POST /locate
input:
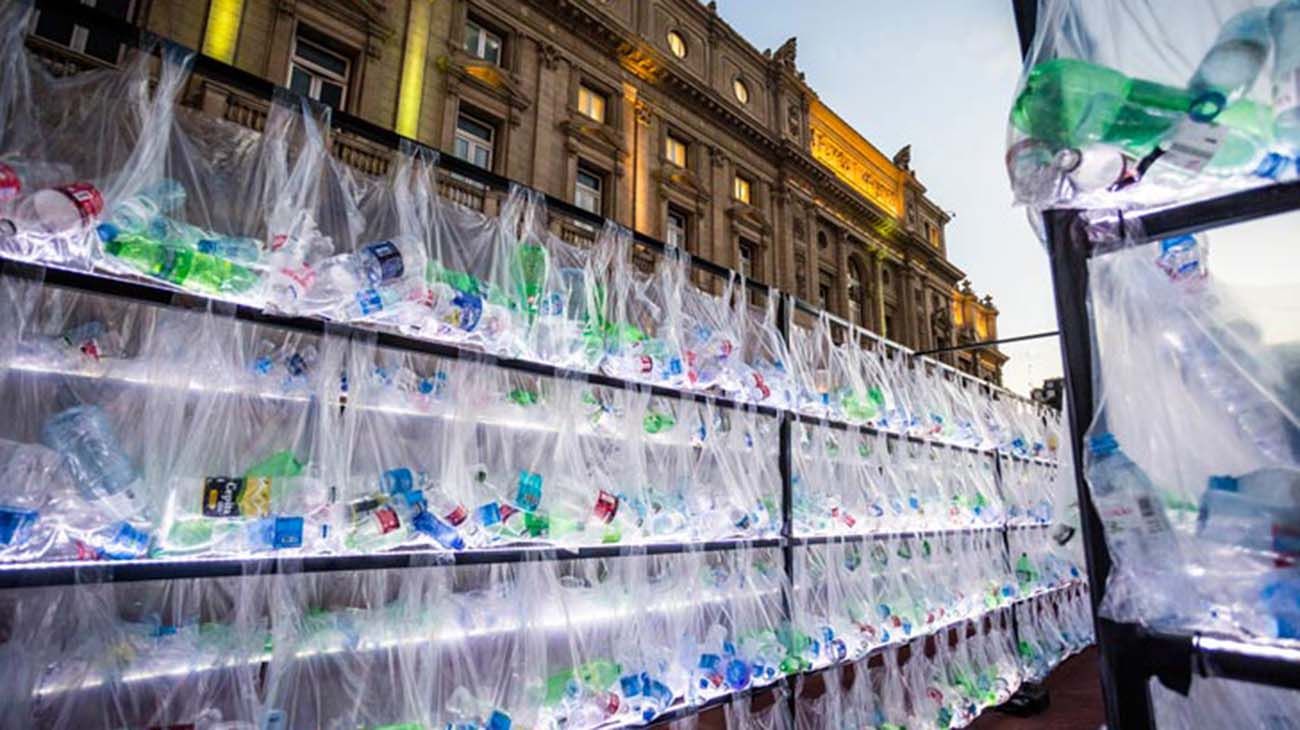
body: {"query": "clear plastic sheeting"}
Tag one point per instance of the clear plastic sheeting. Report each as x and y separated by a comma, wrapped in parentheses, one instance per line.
(850, 599)
(1193, 472)
(1217, 702)
(1052, 630)
(944, 681)
(1133, 106)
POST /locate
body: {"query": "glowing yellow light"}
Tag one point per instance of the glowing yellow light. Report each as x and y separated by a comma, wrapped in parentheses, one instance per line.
(411, 92)
(222, 31)
(856, 161)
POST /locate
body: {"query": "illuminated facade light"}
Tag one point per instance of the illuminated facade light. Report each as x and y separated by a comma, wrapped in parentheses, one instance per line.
(221, 34)
(411, 90)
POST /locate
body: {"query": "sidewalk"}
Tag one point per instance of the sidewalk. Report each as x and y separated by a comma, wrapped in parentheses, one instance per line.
(1075, 691)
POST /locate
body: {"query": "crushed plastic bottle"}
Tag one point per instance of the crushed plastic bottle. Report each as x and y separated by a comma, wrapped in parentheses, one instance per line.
(94, 458)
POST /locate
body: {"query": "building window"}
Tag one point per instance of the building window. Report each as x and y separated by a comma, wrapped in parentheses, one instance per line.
(741, 90)
(482, 43)
(588, 190)
(740, 190)
(58, 27)
(591, 103)
(677, 44)
(675, 151)
(826, 290)
(856, 291)
(676, 228)
(318, 72)
(822, 240)
(474, 140)
(747, 250)
(889, 326)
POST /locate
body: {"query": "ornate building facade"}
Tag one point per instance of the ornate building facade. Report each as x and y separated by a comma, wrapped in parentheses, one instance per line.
(655, 113)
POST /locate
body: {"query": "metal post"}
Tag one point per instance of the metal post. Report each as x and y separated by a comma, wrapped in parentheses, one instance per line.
(1124, 671)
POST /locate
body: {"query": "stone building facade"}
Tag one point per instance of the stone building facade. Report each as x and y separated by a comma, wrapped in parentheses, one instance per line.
(655, 113)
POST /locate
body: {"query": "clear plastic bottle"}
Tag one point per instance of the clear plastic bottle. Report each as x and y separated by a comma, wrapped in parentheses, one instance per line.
(1259, 511)
(146, 211)
(1284, 23)
(97, 463)
(53, 211)
(1231, 66)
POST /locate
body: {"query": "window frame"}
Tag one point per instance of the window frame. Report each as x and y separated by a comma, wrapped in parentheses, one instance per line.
(738, 183)
(685, 228)
(80, 36)
(585, 169)
(672, 140)
(485, 32)
(473, 142)
(599, 100)
(747, 265)
(317, 73)
(676, 35)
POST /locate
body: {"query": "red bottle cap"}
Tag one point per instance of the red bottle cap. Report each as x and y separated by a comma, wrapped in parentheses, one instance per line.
(87, 198)
(606, 506)
(10, 184)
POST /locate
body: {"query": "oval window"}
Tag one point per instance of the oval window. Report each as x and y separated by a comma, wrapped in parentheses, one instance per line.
(677, 44)
(741, 90)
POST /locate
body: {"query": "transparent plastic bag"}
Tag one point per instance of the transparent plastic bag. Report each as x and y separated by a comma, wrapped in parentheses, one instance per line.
(1170, 101)
(71, 184)
(1192, 472)
(245, 470)
(154, 654)
(765, 372)
(710, 340)
(97, 396)
(643, 327)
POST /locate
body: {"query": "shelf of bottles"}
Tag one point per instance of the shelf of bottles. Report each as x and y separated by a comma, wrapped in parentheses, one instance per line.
(348, 454)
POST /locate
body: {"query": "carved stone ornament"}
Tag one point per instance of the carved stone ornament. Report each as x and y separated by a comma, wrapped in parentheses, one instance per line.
(785, 55)
(719, 156)
(603, 137)
(644, 114)
(549, 54)
(461, 67)
(903, 158)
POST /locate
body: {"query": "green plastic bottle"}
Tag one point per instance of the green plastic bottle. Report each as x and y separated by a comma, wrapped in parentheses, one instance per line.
(278, 464)
(1072, 103)
(530, 262)
(178, 264)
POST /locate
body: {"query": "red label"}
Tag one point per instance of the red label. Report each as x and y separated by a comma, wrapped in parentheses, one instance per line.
(10, 185)
(90, 348)
(506, 510)
(457, 515)
(762, 386)
(387, 519)
(278, 241)
(606, 506)
(726, 348)
(647, 364)
(87, 199)
(302, 276)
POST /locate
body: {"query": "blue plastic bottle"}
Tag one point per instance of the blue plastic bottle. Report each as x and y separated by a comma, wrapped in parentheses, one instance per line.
(95, 460)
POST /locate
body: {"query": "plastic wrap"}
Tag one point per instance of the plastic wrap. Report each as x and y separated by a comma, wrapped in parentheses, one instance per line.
(555, 294)
(1218, 702)
(643, 324)
(244, 471)
(1129, 107)
(160, 654)
(51, 216)
(92, 389)
(1191, 461)
(765, 372)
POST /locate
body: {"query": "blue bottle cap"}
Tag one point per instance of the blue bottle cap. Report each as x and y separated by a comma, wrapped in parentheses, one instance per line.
(13, 522)
(498, 721)
(107, 232)
(399, 480)
(287, 532)
(1103, 444)
(1223, 483)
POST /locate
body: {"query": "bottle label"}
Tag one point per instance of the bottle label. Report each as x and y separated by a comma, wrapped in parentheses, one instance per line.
(1193, 144)
(456, 516)
(287, 532)
(470, 310)
(10, 184)
(606, 506)
(88, 200)
(369, 301)
(387, 518)
(389, 258)
(1286, 92)
(528, 495)
(236, 496)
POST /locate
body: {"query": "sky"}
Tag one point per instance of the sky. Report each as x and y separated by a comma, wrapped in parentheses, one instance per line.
(940, 75)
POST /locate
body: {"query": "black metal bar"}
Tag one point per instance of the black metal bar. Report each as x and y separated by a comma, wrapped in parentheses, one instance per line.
(1123, 679)
(129, 571)
(1026, 12)
(986, 343)
(1202, 215)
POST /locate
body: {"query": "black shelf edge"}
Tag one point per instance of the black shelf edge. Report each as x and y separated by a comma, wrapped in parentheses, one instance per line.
(1225, 210)
(813, 540)
(1213, 656)
(75, 573)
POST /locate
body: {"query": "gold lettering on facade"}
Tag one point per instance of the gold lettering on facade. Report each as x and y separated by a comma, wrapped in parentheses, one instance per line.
(853, 160)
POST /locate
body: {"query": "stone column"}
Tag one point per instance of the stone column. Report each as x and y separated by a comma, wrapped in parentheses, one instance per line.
(880, 292)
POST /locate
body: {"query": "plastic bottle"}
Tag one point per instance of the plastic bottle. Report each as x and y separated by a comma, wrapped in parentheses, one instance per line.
(54, 210)
(145, 212)
(177, 264)
(1231, 66)
(1070, 103)
(95, 460)
(17, 175)
(1136, 526)
(1258, 511)
(239, 249)
(1284, 23)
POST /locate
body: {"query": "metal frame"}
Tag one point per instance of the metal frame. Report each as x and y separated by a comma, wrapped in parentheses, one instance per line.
(53, 574)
